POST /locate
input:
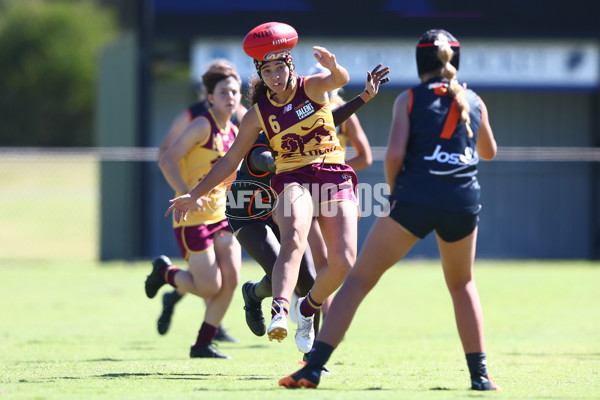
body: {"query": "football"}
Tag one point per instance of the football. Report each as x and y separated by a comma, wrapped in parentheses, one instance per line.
(270, 41)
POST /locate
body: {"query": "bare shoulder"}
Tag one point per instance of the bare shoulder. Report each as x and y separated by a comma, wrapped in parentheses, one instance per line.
(404, 97)
(403, 101)
(198, 129)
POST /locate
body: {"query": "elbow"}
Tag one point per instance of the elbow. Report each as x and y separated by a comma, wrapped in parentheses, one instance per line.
(360, 162)
(368, 160)
(343, 78)
(487, 156)
(166, 163)
(346, 79)
(162, 162)
(487, 153)
(394, 158)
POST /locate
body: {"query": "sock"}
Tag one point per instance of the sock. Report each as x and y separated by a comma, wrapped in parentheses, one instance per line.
(477, 364)
(319, 355)
(280, 304)
(168, 273)
(309, 307)
(263, 288)
(206, 334)
(174, 296)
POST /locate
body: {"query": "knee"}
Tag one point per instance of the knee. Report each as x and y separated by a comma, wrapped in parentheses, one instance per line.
(207, 286)
(231, 279)
(358, 283)
(460, 286)
(341, 265)
(292, 241)
(209, 291)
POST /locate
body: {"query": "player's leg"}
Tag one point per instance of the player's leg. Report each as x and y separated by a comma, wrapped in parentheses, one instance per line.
(216, 268)
(339, 231)
(229, 260)
(319, 254)
(386, 243)
(169, 300)
(458, 257)
(260, 242)
(293, 214)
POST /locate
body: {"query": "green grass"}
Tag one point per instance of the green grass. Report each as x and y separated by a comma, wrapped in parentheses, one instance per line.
(73, 328)
(81, 330)
(48, 208)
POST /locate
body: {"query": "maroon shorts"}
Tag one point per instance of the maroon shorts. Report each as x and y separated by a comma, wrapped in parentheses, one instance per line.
(198, 238)
(325, 182)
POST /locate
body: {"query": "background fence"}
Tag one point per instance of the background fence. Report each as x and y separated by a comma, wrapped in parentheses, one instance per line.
(60, 190)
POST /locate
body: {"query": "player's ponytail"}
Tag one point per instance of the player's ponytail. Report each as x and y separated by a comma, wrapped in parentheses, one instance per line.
(455, 89)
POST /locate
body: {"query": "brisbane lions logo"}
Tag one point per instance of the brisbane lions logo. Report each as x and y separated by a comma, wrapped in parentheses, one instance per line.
(294, 143)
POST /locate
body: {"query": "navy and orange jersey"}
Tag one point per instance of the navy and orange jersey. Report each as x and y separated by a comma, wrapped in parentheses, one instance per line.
(440, 163)
(300, 131)
(201, 107)
(250, 196)
(198, 161)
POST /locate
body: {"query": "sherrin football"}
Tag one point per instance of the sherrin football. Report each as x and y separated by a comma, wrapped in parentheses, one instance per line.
(270, 41)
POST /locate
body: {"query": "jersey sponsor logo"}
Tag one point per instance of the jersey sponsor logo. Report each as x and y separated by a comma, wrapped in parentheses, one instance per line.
(470, 157)
(304, 110)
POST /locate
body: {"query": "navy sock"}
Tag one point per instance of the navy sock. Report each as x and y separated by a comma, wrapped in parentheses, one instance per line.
(319, 355)
(174, 296)
(252, 294)
(477, 364)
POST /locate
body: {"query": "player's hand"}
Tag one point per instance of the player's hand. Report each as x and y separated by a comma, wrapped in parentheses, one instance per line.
(324, 57)
(200, 203)
(180, 206)
(376, 78)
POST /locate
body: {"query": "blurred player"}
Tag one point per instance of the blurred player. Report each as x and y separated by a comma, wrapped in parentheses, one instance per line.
(205, 239)
(171, 298)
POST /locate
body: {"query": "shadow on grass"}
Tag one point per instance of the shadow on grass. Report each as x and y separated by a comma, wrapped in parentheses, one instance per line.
(320, 389)
(166, 376)
(194, 377)
(579, 356)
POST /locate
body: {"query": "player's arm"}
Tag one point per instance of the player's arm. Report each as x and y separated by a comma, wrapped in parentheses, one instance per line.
(249, 129)
(375, 78)
(486, 144)
(359, 141)
(394, 157)
(240, 112)
(197, 131)
(176, 129)
(317, 85)
(260, 158)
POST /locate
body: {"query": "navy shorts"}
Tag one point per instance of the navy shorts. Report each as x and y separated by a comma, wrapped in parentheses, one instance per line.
(420, 220)
(236, 224)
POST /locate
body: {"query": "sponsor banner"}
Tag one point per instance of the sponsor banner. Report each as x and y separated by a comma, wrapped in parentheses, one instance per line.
(569, 64)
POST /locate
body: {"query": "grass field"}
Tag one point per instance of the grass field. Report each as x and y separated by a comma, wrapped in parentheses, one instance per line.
(73, 328)
(80, 330)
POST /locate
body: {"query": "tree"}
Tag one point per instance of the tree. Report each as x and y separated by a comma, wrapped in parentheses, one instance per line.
(48, 70)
